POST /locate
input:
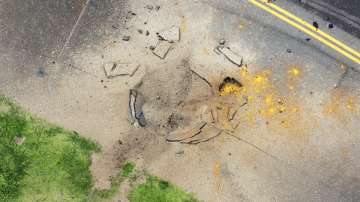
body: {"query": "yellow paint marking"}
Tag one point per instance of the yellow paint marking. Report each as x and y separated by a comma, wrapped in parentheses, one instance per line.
(351, 57)
(311, 27)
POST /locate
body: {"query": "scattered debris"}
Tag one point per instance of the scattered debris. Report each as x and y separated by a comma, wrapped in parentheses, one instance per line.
(114, 27)
(136, 101)
(180, 153)
(316, 25)
(41, 72)
(114, 69)
(126, 38)
(222, 42)
(171, 34)
(149, 7)
(132, 13)
(230, 55)
(162, 49)
(19, 140)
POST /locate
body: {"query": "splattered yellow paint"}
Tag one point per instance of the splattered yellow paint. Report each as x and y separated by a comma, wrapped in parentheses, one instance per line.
(217, 176)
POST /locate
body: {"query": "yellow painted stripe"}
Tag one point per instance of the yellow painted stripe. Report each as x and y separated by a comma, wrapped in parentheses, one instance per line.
(299, 20)
(297, 26)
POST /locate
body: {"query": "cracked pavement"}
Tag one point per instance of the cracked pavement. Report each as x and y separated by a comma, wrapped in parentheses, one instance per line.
(51, 63)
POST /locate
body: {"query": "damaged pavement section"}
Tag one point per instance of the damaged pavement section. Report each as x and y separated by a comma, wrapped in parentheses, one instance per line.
(180, 104)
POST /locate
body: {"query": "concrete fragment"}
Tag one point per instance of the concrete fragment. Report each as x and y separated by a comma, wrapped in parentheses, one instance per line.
(230, 55)
(171, 34)
(114, 69)
(162, 49)
(136, 101)
(208, 132)
(185, 133)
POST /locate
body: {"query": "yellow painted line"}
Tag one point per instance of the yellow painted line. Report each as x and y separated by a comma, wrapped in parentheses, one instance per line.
(297, 26)
(299, 20)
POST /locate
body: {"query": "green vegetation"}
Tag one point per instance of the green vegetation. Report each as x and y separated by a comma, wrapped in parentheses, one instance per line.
(128, 169)
(42, 162)
(157, 190)
(51, 164)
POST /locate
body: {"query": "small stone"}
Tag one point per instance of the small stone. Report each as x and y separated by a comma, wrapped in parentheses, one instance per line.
(157, 8)
(126, 38)
(147, 33)
(222, 42)
(330, 26)
(316, 25)
(140, 31)
(288, 50)
(180, 153)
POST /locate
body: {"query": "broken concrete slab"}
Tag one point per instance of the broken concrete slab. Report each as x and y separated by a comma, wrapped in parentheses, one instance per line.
(185, 133)
(162, 49)
(171, 34)
(136, 101)
(207, 133)
(114, 69)
(230, 55)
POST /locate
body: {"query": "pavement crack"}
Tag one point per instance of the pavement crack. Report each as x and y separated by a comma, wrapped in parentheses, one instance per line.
(253, 145)
(74, 28)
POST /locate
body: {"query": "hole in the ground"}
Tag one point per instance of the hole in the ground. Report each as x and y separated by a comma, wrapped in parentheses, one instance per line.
(229, 86)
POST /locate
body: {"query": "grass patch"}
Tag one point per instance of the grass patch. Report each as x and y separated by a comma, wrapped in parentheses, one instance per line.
(128, 169)
(52, 164)
(157, 190)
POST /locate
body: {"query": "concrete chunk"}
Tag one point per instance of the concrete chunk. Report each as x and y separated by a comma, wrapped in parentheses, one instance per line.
(171, 34)
(208, 132)
(162, 49)
(230, 55)
(114, 69)
(188, 132)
